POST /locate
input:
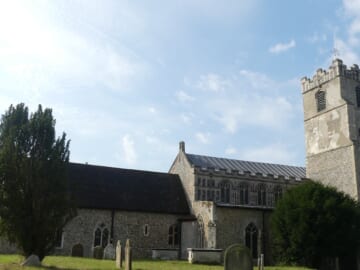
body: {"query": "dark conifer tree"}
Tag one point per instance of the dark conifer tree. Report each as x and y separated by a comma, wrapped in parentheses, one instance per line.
(313, 223)
(34, 194)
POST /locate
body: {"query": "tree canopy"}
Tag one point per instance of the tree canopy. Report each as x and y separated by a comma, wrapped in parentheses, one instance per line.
(312, 223)
(34, 194)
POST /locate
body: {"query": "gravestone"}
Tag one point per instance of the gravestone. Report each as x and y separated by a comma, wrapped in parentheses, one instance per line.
(98, 252)
(128, 260)
(77, 251)
(109, 252)
(238, 257)
(32, 260)
(119, 255)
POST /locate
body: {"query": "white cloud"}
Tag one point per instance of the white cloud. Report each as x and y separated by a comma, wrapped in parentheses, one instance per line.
(273, 153)
(230, 151)
(258, 80)
(347, 53)
(204, 138)
(348, 45)
(254, 110)
(212, 82)
(182, 96)
(41, 52)
(130, 155)
(316, 37)
(282, 47)
(186, 118)
(152, 110)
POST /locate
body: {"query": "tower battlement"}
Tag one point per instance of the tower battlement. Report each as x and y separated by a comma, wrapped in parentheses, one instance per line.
(336, 69)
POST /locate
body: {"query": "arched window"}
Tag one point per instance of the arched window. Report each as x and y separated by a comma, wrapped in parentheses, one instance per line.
(320, 100)
(201, 233)
(101, 236)
(251, 239)
(277, 193)
(173, 239)
(244, 193)
(59, 238)
(225, 192)
(261, 194)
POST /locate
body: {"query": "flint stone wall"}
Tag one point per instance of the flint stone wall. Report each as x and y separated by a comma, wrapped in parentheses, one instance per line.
(127, 225)
(238, 219)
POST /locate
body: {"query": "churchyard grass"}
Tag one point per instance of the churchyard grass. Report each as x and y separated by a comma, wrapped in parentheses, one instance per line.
(11, 262)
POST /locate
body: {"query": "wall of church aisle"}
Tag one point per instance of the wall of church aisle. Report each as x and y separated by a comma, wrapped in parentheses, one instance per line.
(145, 230)
(232, 222)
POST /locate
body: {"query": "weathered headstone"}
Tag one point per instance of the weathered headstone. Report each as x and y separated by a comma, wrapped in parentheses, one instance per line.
(98, 252)
(119, 255)
(77, 251)
(261, 262)
(128, 260)
(109, 252)
(238, 257)
(32, 260)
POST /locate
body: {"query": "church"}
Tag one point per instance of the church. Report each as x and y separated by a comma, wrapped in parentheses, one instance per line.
(209, 203)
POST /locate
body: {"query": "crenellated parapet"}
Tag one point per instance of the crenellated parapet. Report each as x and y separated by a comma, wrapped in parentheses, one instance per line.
(336, 69)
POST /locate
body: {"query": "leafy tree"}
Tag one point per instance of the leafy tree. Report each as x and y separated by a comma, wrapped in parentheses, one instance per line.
(312, 223)
(34, 198)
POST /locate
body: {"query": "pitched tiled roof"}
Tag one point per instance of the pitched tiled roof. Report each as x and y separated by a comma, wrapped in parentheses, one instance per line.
(243, 166)
(130, 190)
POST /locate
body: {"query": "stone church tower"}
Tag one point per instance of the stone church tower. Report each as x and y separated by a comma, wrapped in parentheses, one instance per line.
(331, 102)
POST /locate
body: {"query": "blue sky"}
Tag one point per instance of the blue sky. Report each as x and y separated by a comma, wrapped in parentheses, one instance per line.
(128, 80)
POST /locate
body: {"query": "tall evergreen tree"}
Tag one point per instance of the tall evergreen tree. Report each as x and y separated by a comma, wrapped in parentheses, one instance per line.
(34, 194)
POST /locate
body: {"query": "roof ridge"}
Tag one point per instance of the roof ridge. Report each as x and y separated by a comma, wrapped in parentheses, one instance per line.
(118, 168)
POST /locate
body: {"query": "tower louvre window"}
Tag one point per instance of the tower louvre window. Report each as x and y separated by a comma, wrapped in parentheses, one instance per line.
(357, 90)
(320, 100)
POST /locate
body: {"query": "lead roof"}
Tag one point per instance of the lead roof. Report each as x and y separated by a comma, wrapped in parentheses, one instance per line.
(206, 162)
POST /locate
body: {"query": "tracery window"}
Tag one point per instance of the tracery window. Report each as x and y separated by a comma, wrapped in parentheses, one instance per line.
(198, 194)
(277, 193)
(261, 192)
(59, 238)
(320, 97)
(101, 236)
(225, 192)
(203, 195)
(217, 198)
(244, 193)
(251, 239)
(173, 239)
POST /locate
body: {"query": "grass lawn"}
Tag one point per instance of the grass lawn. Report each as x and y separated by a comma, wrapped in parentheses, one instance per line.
(10, 262)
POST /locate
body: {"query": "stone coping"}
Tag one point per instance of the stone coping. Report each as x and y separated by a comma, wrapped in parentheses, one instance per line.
(252, 207)
(205, 249)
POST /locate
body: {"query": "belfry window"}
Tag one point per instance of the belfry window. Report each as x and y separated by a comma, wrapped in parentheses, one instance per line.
(251, 239)
(357, 90)
(173, 239)
(101, 236)
(320, 100)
